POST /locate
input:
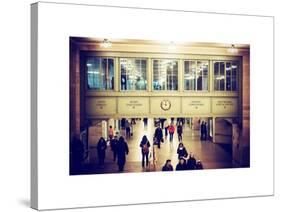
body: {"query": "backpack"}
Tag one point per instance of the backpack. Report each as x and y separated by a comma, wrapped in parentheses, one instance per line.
(145, 148)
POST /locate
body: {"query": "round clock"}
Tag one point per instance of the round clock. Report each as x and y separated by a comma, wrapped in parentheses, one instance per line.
(165, 104)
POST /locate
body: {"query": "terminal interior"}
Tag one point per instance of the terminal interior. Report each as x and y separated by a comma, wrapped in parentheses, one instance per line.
(212, 155)
(136, 80)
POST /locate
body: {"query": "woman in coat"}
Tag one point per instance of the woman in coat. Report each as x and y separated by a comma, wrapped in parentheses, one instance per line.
(181, 151)
(144, 145)
(101, 150)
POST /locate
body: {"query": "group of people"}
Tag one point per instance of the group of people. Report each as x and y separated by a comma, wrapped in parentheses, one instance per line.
(186, 161)
(189, 164)
(128, 127)
(169, 129)
(119, 148)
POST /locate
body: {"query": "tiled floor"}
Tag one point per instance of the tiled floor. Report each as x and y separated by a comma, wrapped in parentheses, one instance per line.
(213, 156)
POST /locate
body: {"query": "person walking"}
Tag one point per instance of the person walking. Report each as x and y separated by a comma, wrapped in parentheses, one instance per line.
(144, 144)
(122, 151)
(181, 166)
(110, 133)
(166, 126)
(181, 151)
(158, 136)
(171, 131)
(205, 131)
(145, 123)
(128, 129)
(179, 131)
(101, 147)
(168, 166)
(113, 145)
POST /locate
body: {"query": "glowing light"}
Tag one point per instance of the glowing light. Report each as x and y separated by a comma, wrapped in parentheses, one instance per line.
(232, 49)
(105, 43)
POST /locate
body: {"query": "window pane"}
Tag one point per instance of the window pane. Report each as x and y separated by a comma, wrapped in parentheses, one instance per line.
(133, 74)
(225, 76)
(165, 74)
(205, 66)
(110, 81)
(100, 73)
(222, 76)
(228, 76)
(234, 68)
(172, 75)
(159, 75)
(189, 75)
(216, 76)
(93, 73)
(202, 75)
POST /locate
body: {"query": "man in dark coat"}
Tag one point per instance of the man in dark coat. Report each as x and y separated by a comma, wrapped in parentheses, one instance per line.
(158, 135)
(204, 131)
(77, 153)
(181, 166)
(168, 166)
(179, 131)
(191, 162)
(122, 151)
(101, 147)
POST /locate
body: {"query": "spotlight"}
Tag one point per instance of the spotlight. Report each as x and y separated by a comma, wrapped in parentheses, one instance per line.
(105, 43)
(232, 49)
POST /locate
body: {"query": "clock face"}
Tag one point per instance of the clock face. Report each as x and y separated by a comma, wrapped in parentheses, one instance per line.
(165, 104)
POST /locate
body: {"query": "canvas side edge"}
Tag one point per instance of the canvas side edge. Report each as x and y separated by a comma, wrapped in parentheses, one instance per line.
(33, 92)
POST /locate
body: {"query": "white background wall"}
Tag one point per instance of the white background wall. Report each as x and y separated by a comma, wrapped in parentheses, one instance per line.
(15, 98)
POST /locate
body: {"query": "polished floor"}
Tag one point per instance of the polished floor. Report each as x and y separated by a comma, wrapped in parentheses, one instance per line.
(213, 156)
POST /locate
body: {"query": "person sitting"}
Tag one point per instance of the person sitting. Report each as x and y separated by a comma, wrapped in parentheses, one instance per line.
(181, 151)
(191, 162)
(181, 166)
(168, 166)
(199, 164)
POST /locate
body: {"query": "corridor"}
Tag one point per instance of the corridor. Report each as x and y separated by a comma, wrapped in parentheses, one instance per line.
(213, 156)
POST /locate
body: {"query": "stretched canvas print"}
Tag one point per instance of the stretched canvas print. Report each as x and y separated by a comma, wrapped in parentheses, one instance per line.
(139, 105)
(133, 95)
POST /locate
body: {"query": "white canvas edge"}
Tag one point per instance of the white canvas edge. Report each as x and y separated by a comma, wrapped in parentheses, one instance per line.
(56, 189)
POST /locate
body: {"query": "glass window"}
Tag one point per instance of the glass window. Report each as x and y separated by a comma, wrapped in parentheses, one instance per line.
(196, 75)
(133, 74)
(100, 73)
(190, 75)
(225, 76)
(234, 74)
(165, 74)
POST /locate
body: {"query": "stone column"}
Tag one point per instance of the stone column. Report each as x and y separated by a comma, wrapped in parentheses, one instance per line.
(244, 144)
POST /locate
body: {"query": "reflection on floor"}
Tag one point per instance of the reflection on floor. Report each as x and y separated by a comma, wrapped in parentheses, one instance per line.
(213, 156)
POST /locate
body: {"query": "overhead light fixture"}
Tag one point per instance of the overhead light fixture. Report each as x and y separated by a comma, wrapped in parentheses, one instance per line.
(105, 43)
(232, 49)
